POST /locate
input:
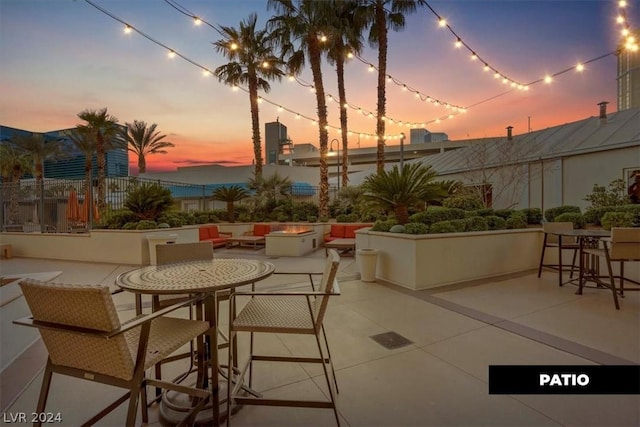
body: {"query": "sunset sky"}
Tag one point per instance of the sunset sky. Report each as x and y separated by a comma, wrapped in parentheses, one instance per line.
(59, 57)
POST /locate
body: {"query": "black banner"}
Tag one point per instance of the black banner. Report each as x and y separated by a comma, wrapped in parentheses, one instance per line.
(564, 379)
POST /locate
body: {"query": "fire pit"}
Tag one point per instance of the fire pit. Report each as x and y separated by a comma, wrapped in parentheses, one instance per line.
(290, 240)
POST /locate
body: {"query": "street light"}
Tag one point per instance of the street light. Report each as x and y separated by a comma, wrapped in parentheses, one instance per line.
(338, 160)
(402, 137)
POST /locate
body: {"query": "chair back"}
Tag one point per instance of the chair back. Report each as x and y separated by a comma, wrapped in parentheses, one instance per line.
(179, 252)
(550, 227)
(625, 244)
(79, 306)
(326, 286)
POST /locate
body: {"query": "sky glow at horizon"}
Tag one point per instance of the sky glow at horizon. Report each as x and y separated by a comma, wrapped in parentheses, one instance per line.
(60, 57)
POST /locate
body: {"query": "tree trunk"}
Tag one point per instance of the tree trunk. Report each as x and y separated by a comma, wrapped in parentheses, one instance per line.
(343, 118)
(402, 214)
(381, 23)
(100, 154)
(255, 123)
(142, 163)
(230, 212)
(315, 61)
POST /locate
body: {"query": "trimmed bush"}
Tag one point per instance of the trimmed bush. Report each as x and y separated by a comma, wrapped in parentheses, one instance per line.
(534, 215)
(312, 218)
(504, 213)
(146, 224)
(222, 213)
(442, 227)
(383, 225)
(466, 202)
(576, 218)
(435, 214)
(551, 213)
(347, 218)
(416, 228)
(594, 215)
(617, 219)
(515, 222)
(397, 229)
(495, 222)
(633, 210)
(483, 212)
(173, 219)
(476, 223)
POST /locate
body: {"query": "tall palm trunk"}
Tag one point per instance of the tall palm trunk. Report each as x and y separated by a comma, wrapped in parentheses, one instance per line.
(255, 124)
(343, 115)
(142, 164)
(13, 198)
(100, 155)
(382, 73)
(402, 214)
(87, 173)
(314, 60)
(230, 212)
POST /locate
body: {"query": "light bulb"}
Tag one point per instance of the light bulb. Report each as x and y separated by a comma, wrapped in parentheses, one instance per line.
(442, 22)
(547, 79)
(127, 29)
(579, 67)
(197, 21)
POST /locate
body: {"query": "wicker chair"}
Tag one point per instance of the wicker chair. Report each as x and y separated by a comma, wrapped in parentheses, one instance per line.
(624, 246)
(85, 339)
(292, 312)
(551, 241)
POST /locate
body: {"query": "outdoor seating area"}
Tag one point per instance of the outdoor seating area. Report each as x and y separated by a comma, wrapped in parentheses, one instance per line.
(393, 350)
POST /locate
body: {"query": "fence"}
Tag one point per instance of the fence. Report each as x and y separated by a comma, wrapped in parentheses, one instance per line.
(64, 205)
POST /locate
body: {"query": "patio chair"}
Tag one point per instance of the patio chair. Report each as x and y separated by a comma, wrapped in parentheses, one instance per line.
(624, 246)
(85, 339)
(285, 312)
(551, 241)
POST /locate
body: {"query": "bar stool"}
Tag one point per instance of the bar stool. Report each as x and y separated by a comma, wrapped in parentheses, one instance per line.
(552, 241)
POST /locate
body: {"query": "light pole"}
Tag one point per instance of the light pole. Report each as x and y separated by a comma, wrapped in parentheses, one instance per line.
(402, 137)
(338, 158)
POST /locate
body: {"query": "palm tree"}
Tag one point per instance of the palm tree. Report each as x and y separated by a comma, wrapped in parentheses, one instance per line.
(13, 164)
(106, 130)
(268, 191)
(398, 189)
(383, 15)
(345, 37)
(38, 150)
(300, 29)
(143, 141)
(230, 195)
(252, 62)
(84, 139)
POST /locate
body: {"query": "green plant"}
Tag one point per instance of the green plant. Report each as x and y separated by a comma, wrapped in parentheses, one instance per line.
(495, 222)
(467, 202)
(173, 219)
(312, 218)
(574, 217)
(399, 189)
(435, 214)
(503, 213)
(383, 225)
(443, 227)
(416, 228)
(615, 195)
(617, 219)
(347, 218)
(515, 222)
(230, 195)
(551, 213)
(594, 215)
(304, 210)
(534, 215)
(148, 200)
(476, 223)
(146, 225)
(116, 220)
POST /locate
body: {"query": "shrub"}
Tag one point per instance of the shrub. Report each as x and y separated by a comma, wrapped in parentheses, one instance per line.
(148, 201)
(383, 225)
(130, 225)
(616, 195)
(515, 222)
(347, 218)
(483, 212)
(495, 222)
(312, 218)
(146, 225)
(534, 215)
(416, 228)
(551, 213)
(397, 229)
(617, 219)
(221, 214)
(633, 210)
(442, 227)
(504, 213)
(304, 210)
(467, 202)
(435, 214)
(173, 219)
(575, 217)
(476, 223)
(116, 220)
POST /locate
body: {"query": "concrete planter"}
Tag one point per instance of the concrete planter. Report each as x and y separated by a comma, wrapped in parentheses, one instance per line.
(431, 260)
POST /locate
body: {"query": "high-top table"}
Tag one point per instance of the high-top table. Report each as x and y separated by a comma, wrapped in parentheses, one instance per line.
(586, 239)
(197, 277)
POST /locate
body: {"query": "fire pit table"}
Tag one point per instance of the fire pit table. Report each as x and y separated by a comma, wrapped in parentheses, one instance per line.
(291, 241)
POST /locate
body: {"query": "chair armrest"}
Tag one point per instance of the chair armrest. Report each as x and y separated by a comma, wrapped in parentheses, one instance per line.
(29, 321)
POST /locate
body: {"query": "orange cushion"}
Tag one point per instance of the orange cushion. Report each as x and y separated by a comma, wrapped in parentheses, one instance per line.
(349, 231)
(337, 230)
(213, 232)
(261, 229)
(203, 233)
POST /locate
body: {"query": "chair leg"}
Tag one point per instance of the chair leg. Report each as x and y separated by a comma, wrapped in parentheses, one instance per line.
(143, 403)
(133, 405)
(326, 376)
(573, 263)
(333, 371)
(44, 390)
(544, 247)
(611, 280)
(622, 278)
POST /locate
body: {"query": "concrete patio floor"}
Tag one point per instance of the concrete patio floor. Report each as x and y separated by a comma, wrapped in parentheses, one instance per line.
(440, 379)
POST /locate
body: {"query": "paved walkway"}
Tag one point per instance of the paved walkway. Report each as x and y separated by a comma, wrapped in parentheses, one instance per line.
(440, 378)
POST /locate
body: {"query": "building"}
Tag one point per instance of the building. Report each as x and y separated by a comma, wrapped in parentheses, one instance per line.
(276, 143)
(72, 165)
(418, 136)
(628, 77)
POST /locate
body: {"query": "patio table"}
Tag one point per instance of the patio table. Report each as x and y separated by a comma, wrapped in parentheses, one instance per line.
(195, 277)
(589, 269)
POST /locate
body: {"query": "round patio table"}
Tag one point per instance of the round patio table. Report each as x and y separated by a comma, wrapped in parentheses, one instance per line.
(197, 277)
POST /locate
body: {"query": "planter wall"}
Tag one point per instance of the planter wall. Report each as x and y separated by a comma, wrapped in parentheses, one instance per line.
(426, 261)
